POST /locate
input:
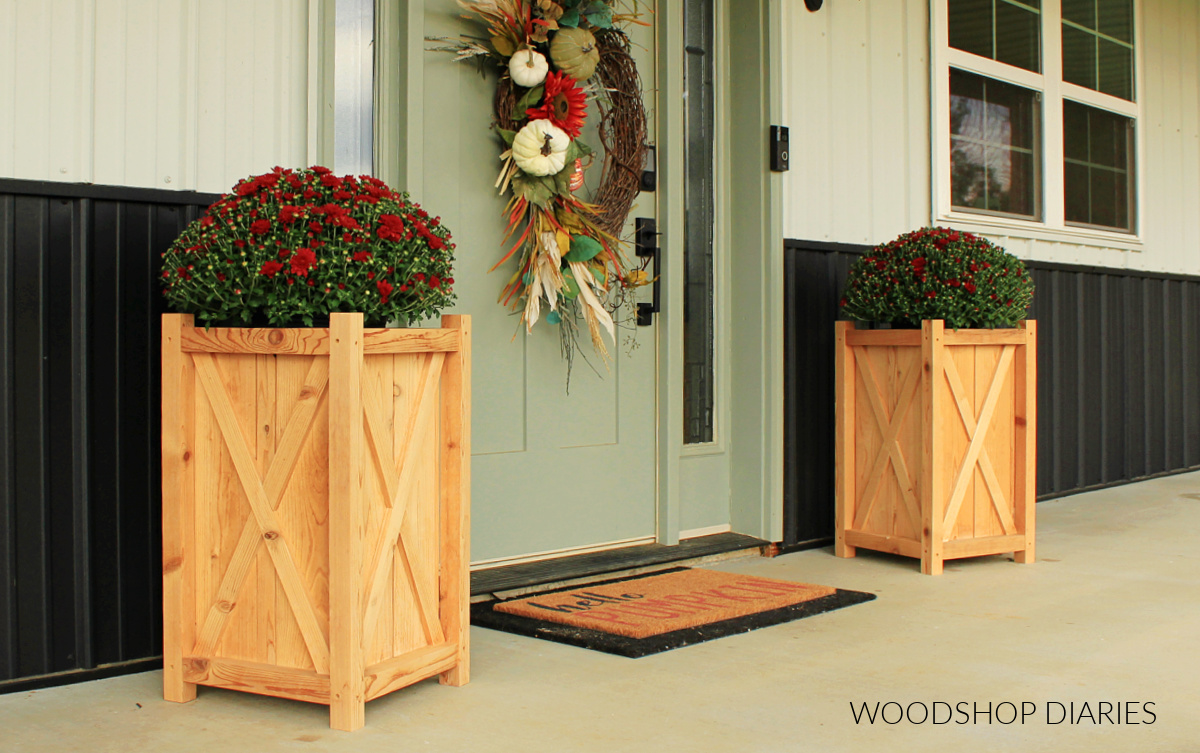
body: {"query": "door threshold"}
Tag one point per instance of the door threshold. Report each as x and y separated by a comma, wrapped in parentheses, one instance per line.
(529, 575)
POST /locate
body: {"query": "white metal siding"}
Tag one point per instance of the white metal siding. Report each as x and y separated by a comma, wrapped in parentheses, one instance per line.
(856, 87)
(856, 94)
(175, 94)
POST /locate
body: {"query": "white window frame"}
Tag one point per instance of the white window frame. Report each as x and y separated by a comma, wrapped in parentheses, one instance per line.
(1052, 225)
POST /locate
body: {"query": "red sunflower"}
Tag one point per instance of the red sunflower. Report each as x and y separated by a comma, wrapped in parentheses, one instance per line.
(564, 104)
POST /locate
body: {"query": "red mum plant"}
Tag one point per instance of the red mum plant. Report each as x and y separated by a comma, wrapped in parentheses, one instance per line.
(939, 273)
(564, 104)
(293, 245)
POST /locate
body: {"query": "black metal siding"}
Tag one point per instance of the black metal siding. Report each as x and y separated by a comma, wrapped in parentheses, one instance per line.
(79, 464)
(1118, 378)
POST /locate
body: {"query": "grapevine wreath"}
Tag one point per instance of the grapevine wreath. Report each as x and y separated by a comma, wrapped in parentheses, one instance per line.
(555, 58)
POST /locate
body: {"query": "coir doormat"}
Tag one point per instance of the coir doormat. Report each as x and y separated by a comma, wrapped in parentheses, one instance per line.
(646, 614)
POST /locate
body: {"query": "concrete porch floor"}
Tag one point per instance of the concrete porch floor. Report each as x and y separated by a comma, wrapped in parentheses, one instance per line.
(1110, 612)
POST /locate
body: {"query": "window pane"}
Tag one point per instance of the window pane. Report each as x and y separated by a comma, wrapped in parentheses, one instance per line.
(1018, 36)
(1082, 12)
(1002, 30)
(1116, 69)
(699, 331)
(1075, 122)
(1097, 42)
(993, 160)
(1079, 57)
(971, 26)
(1108, 138)
(1012, 171)
(1075, 176)
(1116, 19)
(968, 175)
(966, 97)
(1109, 197)
(1098, 167)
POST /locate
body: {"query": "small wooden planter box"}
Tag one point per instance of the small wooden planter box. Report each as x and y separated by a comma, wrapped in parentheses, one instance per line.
(936, 442)
(315, 510)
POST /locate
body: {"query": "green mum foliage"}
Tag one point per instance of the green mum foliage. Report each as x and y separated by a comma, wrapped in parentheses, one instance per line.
(939, 273)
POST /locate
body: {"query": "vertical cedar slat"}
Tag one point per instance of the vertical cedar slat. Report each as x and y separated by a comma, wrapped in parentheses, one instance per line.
(455, 490)
(266, 433)
(932, 462)
(1024, 454)
(346, 468)
(178, 516)
(8, 632)
(29, 469)
(844, 467)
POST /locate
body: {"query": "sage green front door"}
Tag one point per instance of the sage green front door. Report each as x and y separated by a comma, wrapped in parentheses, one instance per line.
(551, 472)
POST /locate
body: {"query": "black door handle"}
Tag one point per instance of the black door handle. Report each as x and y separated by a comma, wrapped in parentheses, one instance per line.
(645, 243)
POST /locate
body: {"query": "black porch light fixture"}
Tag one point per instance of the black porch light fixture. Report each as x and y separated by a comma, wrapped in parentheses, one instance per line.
(813, 5)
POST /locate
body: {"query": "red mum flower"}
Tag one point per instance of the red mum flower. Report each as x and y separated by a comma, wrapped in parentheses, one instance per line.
(258, 227)
(270, 268)
(391, 227)
(362, 256)
(564, 105)
(302, 261)
(385, 289)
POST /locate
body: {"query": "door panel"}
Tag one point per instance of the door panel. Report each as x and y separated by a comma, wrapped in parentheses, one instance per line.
(551, 471)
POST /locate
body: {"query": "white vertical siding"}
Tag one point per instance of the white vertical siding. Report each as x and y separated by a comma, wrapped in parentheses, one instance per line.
(857, 99)
(175, 94)
(856, 87)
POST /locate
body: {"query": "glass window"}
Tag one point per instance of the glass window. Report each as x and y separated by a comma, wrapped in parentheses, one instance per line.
(699, 325)
(1003, 30)
(1098, 179)
(996, 164)
(993, 145)
(1097, 45)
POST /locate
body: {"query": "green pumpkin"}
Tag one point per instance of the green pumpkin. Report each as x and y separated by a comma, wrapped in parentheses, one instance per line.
(575, 53)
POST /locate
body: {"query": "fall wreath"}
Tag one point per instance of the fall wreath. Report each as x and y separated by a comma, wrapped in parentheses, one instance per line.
(555, 58)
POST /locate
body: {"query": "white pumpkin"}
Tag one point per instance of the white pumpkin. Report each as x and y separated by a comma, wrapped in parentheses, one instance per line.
(528, 68)
(540, 148)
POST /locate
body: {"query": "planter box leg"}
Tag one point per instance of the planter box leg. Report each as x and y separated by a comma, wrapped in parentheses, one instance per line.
(1025, 369)
(931, 564)
(347, 702)
(455, 584)
(844, 489)
(841, 548)
(934, 511)
(179, 634)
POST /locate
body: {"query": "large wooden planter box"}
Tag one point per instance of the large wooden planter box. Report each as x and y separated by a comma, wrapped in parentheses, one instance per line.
(315, 510)
(936, 442)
